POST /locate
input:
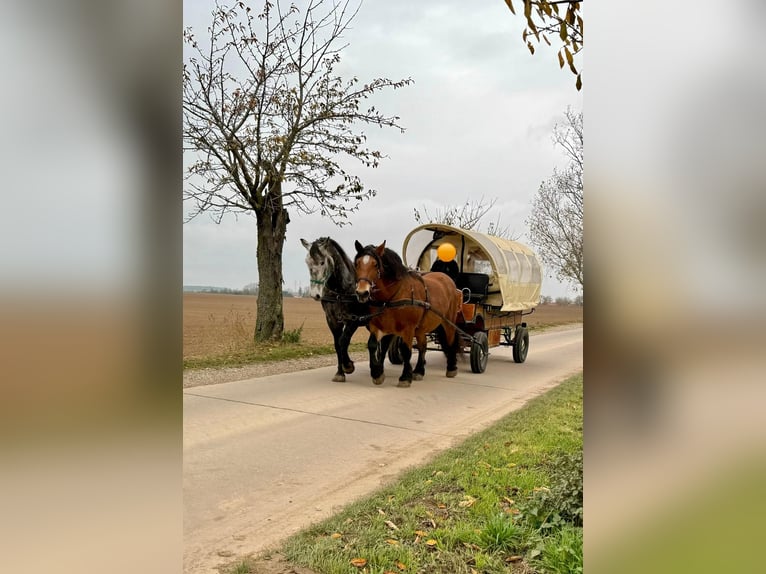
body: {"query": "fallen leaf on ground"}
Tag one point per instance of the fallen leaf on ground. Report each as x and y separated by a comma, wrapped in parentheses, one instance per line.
(380, 511)
(431, 542)
(401, 566)
(392, 542)
(467, 503)
(359, 562)
(513, 558)
(420, 532)
(391, 525)
(335, 535)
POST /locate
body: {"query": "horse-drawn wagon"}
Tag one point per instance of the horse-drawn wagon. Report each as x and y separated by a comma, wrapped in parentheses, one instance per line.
(405, 305)
(500, 280)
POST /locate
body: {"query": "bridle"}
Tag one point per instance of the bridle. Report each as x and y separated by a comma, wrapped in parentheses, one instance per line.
(369, 281)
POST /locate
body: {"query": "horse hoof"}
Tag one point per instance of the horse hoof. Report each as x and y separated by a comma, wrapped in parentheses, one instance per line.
(339, 379)
(452, 374)
(404, 384)
(348, 369)
(379, 380)
(417, 377)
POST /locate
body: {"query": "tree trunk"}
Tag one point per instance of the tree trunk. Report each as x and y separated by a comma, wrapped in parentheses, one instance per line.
(272, 225)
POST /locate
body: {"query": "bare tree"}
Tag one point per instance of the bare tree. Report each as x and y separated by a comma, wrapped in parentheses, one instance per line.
(556, 221)
(269, 122)
(559, 18)
(469, 215)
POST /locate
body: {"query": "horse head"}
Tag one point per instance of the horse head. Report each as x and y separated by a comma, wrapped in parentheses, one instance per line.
(320, 264)
(368, 266)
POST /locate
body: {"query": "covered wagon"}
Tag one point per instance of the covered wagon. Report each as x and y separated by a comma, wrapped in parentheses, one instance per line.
(500, 280)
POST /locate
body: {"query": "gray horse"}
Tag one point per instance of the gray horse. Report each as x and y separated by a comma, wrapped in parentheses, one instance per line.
(333, 282)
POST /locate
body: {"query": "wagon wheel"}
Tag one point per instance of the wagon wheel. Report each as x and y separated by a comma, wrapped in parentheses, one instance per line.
(394, 352)
(521, 345)
(479, 352)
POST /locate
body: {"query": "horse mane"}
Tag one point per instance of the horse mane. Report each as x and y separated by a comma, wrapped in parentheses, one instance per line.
(337, 252)
(392, 266)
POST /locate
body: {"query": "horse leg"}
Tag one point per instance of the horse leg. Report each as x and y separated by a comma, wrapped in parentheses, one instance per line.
(420, 367)
(406, 350)
(337, 335)
(345, 339)
(450, 350)
(376, 358)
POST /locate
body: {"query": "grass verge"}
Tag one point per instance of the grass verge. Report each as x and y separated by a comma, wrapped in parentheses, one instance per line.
(507, 499)
(265, 353)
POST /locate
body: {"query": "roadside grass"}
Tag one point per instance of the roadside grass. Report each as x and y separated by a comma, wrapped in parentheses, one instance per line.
(265, 353)
(507, 499)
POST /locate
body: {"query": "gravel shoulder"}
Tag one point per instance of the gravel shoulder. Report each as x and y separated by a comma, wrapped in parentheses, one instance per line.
(216, 375)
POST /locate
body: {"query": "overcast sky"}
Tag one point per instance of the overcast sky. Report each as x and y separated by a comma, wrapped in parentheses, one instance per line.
(478, 119)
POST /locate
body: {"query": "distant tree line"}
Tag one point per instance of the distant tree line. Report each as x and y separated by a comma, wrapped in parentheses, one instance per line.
(548, 300)
(252, 289)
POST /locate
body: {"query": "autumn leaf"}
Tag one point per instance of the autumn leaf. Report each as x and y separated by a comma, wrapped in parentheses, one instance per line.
(359, 562)
(392, 542)
(420, 532)
(336, 535)
(431, 542)
(391, 525)
(401, 566)
(467, 503)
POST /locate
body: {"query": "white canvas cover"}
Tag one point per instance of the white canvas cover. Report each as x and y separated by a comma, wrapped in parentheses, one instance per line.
(514, 272)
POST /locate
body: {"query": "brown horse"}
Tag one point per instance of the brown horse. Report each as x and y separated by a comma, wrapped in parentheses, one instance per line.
(410, 305)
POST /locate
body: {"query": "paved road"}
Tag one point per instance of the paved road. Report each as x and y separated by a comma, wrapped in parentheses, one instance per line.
(265, 457)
